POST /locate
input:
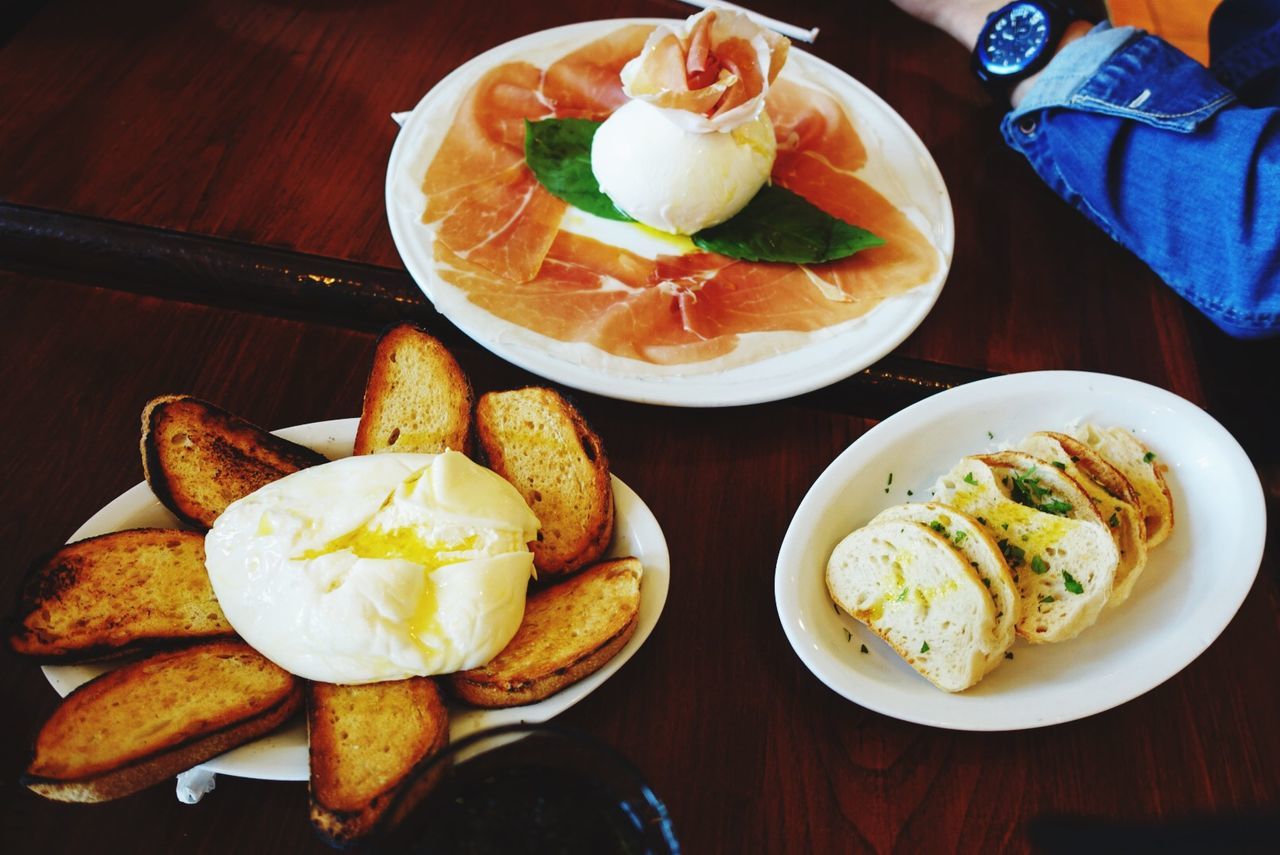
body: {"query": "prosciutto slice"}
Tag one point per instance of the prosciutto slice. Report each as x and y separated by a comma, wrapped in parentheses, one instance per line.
(498, 236)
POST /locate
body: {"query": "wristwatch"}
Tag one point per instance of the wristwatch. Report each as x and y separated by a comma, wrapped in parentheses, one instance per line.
(1018, 40)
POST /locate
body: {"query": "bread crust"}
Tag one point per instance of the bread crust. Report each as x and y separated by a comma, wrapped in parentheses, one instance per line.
(573, 647)
(417, 398)
(568, 486)
(52, 623)
(344, 813)
(233, 456)
(136, 767)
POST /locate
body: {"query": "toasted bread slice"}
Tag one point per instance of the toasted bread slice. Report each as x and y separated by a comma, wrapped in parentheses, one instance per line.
(1126, 452)
(1064, 567)
(371, 746)
(149, 720)
(539, 442)
(416, 399)
(969, 538)
(569, 631)
(912, 588)
(199, 458)
(1112, 495)
(115, 594)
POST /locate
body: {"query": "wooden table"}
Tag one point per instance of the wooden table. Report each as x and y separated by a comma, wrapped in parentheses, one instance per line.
(192, 201)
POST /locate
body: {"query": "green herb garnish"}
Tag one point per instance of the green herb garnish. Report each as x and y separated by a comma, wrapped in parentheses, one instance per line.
(1072, 585)
(1114, 521)
(1148, 457)
(1060, 465)
(1046, 598)
(924, 648)
(1026, 490)
(864, 649)
(990, 435)
(558, 152)
(1015, 555)
(1038, 566)
(959, 537)
(902, 596)
(937, 526)
(969, 479)
(848, 636)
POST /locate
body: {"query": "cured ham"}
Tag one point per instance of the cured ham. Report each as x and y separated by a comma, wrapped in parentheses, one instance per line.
(498, 237)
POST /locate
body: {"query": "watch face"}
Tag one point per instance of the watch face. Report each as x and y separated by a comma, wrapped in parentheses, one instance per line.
(1014, 39)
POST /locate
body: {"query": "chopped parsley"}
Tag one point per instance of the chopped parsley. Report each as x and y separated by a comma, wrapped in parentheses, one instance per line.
(986, 582)
(1072, 585)
(959, 537)
(1114, 521)
(1008, 655)
(924, 648)
(990, 435)
(1046, 598)
(909, 493)
(1060, 464)
(1015, 555)
(902, 596)
(864, 649)
(969, 479)
(937, 526)
(848, 636)
(890, 481)
(1026, 490)
(1148, 457)
(981, 520)
(1038, 566)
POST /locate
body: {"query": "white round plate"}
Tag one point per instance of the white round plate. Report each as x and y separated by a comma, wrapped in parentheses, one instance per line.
(898, 166)
(282, 755)
(1193, 584)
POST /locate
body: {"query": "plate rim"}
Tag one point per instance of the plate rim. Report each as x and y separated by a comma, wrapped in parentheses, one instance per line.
(1223, 607)
(657, 573)
(698, 389)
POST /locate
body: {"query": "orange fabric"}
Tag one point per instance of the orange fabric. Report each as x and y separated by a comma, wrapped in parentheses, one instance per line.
(1183, 23)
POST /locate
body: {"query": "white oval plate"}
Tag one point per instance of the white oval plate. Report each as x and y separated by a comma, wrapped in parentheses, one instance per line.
(282, 755)
(898, 166)
(1193, 584)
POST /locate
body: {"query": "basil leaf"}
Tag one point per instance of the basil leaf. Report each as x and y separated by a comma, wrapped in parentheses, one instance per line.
(778, 225)
(559, 153)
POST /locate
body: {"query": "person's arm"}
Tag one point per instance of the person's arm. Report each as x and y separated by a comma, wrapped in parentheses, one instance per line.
(1152, 148)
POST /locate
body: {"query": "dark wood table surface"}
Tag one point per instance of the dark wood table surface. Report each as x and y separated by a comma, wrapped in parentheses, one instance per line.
(191, 201)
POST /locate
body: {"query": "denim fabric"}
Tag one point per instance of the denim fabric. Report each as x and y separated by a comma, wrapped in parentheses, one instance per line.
(1162, 155)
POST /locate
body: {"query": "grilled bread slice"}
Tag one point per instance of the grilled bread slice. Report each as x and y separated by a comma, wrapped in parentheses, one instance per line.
(539, 442)
(912, 588)
(416, 399)
(371, 748)
(569, 630)
(199, 458)
(1064, 567)
(1112, 495)
(1138, 464)
(149, 720)
(974, 544)
(116, 594)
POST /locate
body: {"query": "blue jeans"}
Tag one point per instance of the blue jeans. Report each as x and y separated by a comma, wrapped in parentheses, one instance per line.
(1178, 163)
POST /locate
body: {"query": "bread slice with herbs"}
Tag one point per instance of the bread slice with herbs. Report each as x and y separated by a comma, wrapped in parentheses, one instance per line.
(116, 594)
(198, 458)
(974, 544)
(1144, 470)
(539, 442)
(910, 586)
(417, 399)
(1063, 566)
(1112, 495)
(569, 631)
(149, 720)
(371, 750)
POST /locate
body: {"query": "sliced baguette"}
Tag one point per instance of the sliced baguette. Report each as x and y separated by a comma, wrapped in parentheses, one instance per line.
(569, 630)
(539, 442)
(1145, 472)
(910, 586)
(974, 544)
(371, 748)
(198, 458)
(116, 594)
(1112, 495)
(149, 720)
(416, 399)
(1049, 555)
